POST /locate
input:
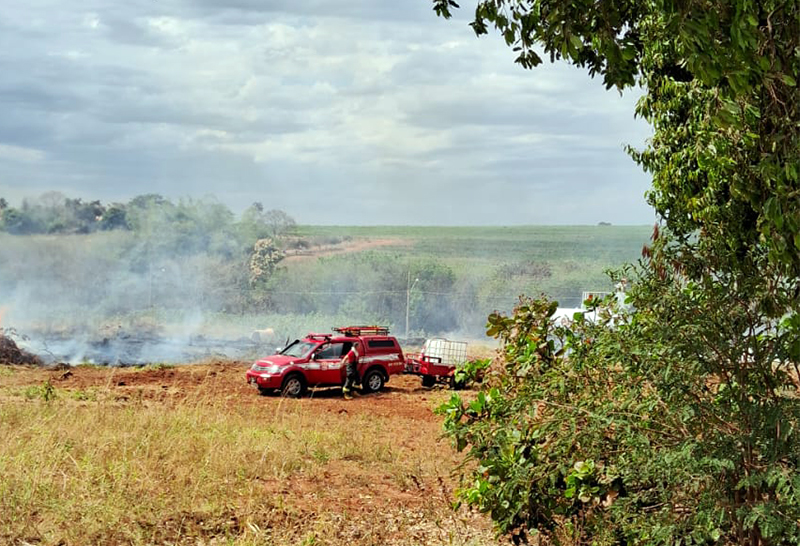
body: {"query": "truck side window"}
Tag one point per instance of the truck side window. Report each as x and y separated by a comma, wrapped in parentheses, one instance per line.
(330, 351)
(381, 343)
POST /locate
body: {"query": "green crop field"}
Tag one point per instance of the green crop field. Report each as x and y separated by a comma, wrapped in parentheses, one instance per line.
(561, 261)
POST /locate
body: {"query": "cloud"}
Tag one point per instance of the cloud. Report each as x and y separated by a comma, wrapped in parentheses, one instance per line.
(294, 102)
(20, 154)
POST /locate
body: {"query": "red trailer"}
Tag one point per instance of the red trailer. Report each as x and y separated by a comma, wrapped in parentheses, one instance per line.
(437, 361)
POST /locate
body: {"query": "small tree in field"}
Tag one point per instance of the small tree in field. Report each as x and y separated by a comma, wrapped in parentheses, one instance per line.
(676, 423)
(279, 223)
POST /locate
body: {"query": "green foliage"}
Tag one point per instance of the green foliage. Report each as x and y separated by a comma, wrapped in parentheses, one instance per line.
(45, 392)
(52, 212)
(253, 224)
(522, 427)
(187, 254)
(631, 429)
(604, 37)
(370, 284)
(81, 395)
(491, 265)
(470, 371)
(722, 353)
(704, 445)
(186, 228)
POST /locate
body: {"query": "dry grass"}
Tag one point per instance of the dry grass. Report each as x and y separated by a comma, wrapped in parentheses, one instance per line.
(195, 466)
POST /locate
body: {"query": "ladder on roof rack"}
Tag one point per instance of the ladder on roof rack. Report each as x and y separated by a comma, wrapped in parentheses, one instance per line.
(362, 330)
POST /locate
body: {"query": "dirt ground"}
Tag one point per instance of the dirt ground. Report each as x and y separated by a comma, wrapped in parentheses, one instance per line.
(403, 396)
(358, 245)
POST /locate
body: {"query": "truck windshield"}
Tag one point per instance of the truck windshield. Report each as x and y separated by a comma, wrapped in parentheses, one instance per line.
(299, 349)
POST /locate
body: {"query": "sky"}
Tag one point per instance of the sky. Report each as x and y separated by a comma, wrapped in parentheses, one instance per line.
(353, 112)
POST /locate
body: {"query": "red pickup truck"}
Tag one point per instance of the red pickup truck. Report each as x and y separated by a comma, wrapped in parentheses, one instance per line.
(316, 361)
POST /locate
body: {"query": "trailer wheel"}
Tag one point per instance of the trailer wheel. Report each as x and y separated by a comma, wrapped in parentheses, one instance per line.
(428, 381)
(373, 381)
(293, 386)
(457, 384)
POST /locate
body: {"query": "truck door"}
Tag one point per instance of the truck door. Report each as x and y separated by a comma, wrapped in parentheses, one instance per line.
(329, 359)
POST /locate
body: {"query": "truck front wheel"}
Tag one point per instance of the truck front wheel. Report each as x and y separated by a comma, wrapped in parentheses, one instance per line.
(293, 386)
(373, 381)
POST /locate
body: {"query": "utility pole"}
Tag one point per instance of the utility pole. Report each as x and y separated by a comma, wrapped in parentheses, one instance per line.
(409, 287)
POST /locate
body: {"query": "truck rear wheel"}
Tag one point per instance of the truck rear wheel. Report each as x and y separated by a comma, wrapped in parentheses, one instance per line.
(293, 386)
(373, 381)
(428, 381)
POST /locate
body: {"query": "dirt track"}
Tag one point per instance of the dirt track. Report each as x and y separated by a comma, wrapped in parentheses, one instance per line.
(358, 245)
(402, 398)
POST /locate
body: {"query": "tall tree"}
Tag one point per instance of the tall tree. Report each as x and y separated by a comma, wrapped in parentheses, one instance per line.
(690, 433)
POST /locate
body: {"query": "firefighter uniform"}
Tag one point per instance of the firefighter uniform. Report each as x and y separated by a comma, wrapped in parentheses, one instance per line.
(350, 361)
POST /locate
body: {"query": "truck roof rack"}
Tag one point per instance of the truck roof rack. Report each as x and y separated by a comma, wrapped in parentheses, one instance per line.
(362, 330)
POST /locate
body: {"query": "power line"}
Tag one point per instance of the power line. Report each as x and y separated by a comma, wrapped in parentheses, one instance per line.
(455, 295)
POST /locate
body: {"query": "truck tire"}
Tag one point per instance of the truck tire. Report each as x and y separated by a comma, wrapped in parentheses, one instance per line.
(428, 381)
(294, 386)
(372, 381)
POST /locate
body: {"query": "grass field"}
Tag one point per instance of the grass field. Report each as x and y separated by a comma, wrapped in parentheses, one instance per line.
(609, 244)
(190, 455)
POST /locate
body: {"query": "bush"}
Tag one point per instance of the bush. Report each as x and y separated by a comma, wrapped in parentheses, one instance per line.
(628, 430)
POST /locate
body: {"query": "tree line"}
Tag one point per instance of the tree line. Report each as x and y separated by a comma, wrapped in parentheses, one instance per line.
(55, 213)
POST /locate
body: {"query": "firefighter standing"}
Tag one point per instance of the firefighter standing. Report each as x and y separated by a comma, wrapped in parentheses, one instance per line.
(350, 362)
